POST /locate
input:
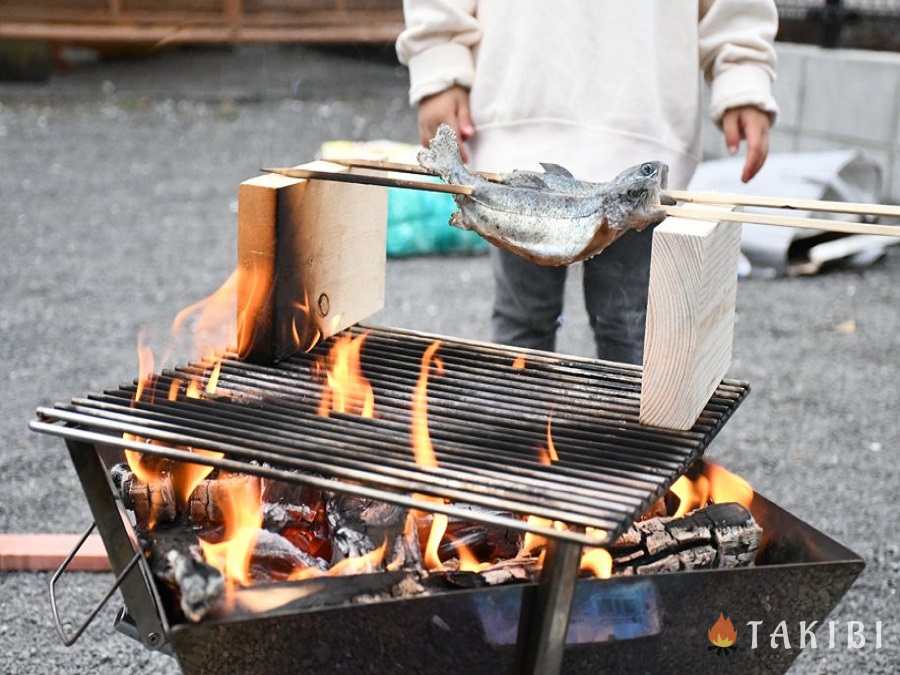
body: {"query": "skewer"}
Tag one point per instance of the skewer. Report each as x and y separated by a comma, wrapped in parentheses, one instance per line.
(723, 198)
(365, 179)
(785, 203)
(694, 214)
(784, 221)
(403, 167)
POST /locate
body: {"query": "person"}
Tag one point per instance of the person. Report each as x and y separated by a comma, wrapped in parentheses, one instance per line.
(595, 87)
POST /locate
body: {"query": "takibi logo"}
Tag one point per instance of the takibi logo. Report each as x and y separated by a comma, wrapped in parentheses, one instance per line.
(722, 635)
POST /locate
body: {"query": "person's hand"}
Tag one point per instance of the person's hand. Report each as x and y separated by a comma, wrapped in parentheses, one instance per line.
(450, 106)
(752, 124)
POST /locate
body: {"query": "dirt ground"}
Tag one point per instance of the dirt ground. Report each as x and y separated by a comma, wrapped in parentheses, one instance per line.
(117, 208)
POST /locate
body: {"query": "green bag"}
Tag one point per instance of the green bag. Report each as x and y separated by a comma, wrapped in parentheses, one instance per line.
(419, 224)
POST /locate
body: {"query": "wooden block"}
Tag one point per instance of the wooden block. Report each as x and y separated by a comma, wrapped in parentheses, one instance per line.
(45, 552)
(311, 260)
(690, 318)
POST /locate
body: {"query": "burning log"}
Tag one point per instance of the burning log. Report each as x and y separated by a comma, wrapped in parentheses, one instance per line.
(359, 526)
(275, 558)
(720, 535)
(176, 560)
(152, 502)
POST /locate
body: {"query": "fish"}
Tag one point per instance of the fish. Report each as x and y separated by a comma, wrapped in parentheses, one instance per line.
(550, 218)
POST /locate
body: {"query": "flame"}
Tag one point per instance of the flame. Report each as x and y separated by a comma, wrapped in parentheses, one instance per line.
(174, 386)
(533, 541)
(346, 389)
(421, 439)
(597, 561)
(692, 494)
(467, 560)
(519, 362)
(186, 476)
(213, 381)
(363, 564)
(547, 453)
(242, 511)
(725, 486)
(722, 633)
(193, 389)
(145, 367)
(714, 485)
(435, 535)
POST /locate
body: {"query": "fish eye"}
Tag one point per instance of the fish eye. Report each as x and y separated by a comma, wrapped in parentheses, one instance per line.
(648, 169)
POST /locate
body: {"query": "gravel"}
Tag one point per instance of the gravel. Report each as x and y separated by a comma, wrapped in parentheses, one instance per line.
(118, 208)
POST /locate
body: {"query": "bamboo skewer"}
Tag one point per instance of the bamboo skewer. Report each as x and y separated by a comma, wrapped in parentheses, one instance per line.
(403, 167)
(694, 214)
(723, 198)
(365, 179)
(784, 221)
(784, 203)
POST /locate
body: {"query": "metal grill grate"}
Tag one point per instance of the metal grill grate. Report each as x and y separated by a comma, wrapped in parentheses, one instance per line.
(487, 421)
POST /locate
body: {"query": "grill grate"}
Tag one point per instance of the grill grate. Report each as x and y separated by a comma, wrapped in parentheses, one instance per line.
(486, 420)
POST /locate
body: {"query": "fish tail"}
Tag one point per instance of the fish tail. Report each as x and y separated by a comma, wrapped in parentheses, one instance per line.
(442, 156)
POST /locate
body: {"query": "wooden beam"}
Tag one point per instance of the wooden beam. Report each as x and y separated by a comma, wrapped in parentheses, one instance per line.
(311, 260)
(45, 552)
(690, 317)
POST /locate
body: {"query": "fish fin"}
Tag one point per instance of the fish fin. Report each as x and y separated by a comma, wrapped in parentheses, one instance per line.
(442, 156)
(525, 179)
(557, 170)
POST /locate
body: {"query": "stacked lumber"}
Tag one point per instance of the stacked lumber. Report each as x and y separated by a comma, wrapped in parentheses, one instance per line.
(202, 21)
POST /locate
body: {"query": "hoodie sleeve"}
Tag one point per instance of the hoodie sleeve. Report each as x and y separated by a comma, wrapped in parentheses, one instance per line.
(437, 45)
(737, 53)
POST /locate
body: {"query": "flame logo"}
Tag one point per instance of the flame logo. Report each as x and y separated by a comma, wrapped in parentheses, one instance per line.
(721, 634)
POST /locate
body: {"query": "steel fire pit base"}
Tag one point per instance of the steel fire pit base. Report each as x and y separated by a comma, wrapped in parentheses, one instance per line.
(641, 624)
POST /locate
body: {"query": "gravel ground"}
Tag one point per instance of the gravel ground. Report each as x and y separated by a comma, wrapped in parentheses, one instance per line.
(118, 201)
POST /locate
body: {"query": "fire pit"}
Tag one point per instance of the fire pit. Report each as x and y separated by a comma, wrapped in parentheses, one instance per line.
(524, 441)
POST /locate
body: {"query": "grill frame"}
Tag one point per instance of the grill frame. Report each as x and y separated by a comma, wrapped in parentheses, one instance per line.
(605, 391)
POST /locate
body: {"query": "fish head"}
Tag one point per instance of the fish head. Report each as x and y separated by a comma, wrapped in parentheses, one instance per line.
(634, 195)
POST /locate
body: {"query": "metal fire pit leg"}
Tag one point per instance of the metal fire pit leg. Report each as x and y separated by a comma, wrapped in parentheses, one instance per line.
(544, 619)
(137, 586)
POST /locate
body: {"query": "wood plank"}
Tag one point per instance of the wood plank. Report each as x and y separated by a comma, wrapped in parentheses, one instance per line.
(690, 318)
(45, 552)
(381, 33)
(313, 260)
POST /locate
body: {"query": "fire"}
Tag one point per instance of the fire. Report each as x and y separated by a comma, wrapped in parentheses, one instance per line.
(185, 476)
(435, 535)
(242, 511)
(346, 389)
(725, 486)
(421, 438)
(299, 335)
(193, 389)
(213, 381)
(519, 362)
(145, 367)
(174, 387)
(547, 453)
(364, 564)
(715, 485)
(722, 633)
(597, 561)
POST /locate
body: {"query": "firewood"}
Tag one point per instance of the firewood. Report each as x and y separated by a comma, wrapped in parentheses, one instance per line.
(176, 561)
(359, 526)
(720, 535)
(275, 557)
(153, 503)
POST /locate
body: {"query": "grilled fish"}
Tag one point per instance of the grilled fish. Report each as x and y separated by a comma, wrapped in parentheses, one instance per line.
(550, 218)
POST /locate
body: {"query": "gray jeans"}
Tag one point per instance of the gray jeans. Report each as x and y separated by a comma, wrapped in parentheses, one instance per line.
(528, 299)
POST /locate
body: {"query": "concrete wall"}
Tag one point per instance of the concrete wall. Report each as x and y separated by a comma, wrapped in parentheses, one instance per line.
(835, 98)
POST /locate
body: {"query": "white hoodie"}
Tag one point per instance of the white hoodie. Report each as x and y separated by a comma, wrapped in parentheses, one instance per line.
(593, 85)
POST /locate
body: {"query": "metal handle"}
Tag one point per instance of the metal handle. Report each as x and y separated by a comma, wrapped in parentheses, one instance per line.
(68, 641)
